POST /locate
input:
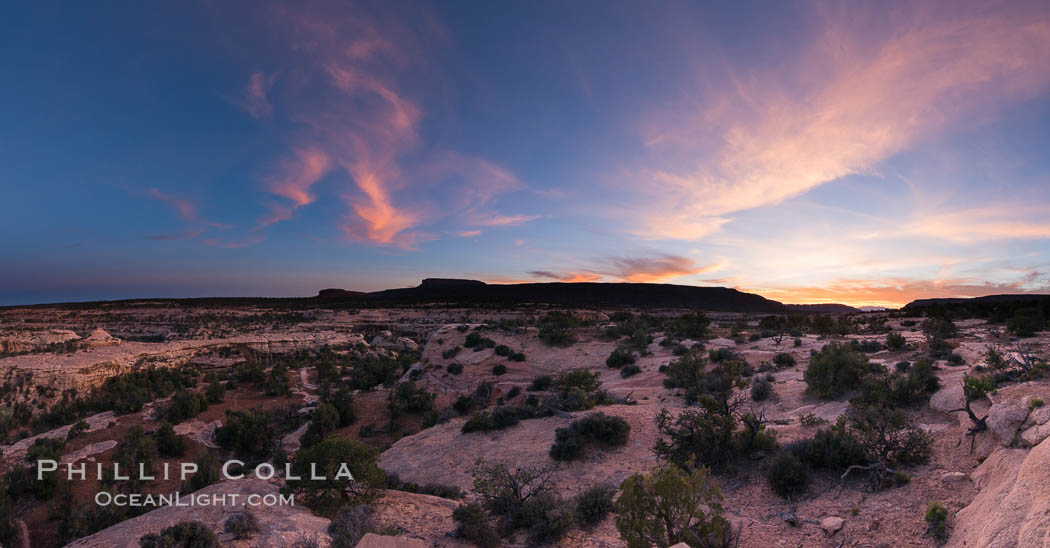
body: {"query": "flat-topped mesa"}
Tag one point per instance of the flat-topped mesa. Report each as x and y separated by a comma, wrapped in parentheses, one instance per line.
(450, 282)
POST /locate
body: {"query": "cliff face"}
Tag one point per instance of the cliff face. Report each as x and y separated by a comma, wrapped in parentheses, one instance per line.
(84, 370)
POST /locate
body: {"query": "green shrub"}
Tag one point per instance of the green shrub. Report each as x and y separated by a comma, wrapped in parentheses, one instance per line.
(787, 475)
(630, 371)
(895, 341)
(835, 369)
(242, 525)
(541, 383)
(518, 357)
(350, 525)
(451, 352)
(606, 430)
(472, 525)
(593, 504)
(324, 420)
(169, 444)
(619, 358)
(479, 422)
(937, 521)
(761, 389)
(207, 472)
(503, 350)
(784, 360)
(956, 360)
(454, 368)
(798, 342)
(185, 405)
(499, 369)
(831, 448)
(546, 517)
(513, 392)
(343, 402)
(187, 534)
(407, 397)
(1036, 403)
(247, 433)
(328, 457)
(557, 328)
(668, 506)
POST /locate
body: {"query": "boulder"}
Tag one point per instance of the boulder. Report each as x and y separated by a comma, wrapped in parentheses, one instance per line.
(831, 525)
(948, 398)
(1036, 434)
(1004, 419)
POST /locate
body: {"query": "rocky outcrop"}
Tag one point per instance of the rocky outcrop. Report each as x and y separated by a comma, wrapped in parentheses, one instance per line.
(1012, 508)
(372, 540)
(17, 450)
(279, 525)
(99, 337)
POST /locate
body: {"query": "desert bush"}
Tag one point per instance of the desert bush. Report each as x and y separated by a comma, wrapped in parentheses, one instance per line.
(242, 525)
(371, 371)
(1026, 322)
(187, 534)
(630, 371)
(351, 524)
(216, 392)
(909, 323)
(451, 352)
(463, 404)
(835, 369)
(185, 405)
(323, 421)
(169, 444)
(499, 369)
(277, 383)
(937, 521)
(761, 389)
(329, 456)
(606, 430)
(956, 360)
(832, 448)
(393, 481)
(593, 504)
(513, 392)
(407, 397)
(472, 524)
(479, 422)
(688, 326)
(668, 506)
(887, 439)
(557, 328)
(619, 358)
(546, 517)
(207, 472)
(522, 498)
(77, 430)
(784, 360)
(343, 402)
(580, 389)
(787, 475)
(798, 342)
(895, 341)
(247, 433)
(541, 383)
(454, 368)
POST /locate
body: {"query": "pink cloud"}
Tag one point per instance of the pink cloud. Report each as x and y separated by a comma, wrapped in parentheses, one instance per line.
(869, 86)
(254, 98)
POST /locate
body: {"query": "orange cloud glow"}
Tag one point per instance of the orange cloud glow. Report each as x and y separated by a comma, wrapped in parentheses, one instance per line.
(568, 277)
(892, 293)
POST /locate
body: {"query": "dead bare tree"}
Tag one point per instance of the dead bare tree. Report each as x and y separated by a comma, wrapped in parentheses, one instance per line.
(973, 389)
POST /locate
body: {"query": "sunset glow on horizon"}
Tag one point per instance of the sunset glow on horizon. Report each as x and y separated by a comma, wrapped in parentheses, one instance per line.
(865, 153)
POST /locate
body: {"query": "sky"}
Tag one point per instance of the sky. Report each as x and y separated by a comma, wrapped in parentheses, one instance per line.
(867, 153)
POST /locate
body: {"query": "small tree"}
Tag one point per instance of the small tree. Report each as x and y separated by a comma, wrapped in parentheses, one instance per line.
(975, 388)
(887, 439)
(331, 459)
(668, 506)
(835, 369)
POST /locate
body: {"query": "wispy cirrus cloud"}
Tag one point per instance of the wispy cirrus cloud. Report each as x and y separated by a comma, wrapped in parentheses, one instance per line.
(568, 277)
(186, 211)
(354, 94)
(869, 86)
(659, 268)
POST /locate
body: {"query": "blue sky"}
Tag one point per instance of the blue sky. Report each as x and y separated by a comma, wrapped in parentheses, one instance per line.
(866, 152)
